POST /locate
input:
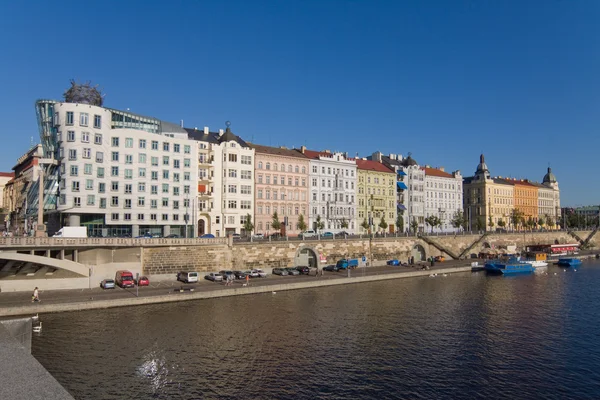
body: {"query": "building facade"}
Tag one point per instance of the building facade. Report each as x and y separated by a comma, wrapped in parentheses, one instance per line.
(333, 182)
(225, 182)
(526, 201)
(5, 177)
(443, 197)
(119, 173)
(281, 186)
(376, 197)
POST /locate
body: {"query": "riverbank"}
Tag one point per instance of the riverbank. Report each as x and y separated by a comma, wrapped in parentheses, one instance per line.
(87, 301)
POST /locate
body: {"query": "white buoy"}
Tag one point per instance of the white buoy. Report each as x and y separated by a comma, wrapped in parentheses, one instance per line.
(38, 328)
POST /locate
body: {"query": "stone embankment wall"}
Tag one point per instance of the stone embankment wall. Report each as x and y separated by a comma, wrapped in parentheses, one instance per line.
(264, 254)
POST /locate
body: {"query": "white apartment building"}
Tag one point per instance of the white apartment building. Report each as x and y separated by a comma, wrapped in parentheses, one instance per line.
(410, 188)
(333, 181)
(120, 174)
(443, 197)
(225, 181)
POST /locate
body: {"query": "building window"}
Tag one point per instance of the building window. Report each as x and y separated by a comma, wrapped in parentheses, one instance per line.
(85, 137)
(245, 204)
(115, 142)
(114, 171)
(142, 158)
(100, 172)
(142, 172)
(114, 201)
(142, 143)
(154, 161)
(175, 163)
(91, 200)
(246, 174)
(165, 146)
(97, 121)
(232, 204)
(165, 217)
(232, 189)
(186, 189)
(153, 217)
(154, 189)
(101, 187)
(232, 157)
(140, 217)
(165, 174)
(186, 162)
(186, 176)
(128, 188)
(165, 202)
(246, 189)
(114, 186)
(247, 160)
(75, 186)
(129, 143)
(165, 188)
(87, 153)
(89, 184)
(154, 175)
(70, 136)
(72, 154)
(83, 119)
(187, 149)
(175, 190)
(115, 156)
(141, 201)
(97, 138)
(114, 216)
(74, 170)
(165, 160)
(176, 148)
(127, 217)
(233, 173)
(70, 118)
(141, 187)
(87, 169)
(154, 145)
(175, 204)
(127, 203)
(128, 159)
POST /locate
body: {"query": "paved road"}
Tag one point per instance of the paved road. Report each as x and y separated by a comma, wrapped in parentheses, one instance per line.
(170, 287)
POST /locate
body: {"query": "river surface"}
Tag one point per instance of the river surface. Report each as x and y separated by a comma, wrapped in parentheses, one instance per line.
(463, 336)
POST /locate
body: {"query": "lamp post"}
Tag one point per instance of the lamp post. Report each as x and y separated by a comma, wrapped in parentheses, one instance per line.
(186, 216)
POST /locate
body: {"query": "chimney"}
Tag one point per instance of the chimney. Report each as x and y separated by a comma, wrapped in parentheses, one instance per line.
(442, 169)
(327, 151)
(392, 156)
(181, 123)
(302, 149)
(206, 130)
(221, 132)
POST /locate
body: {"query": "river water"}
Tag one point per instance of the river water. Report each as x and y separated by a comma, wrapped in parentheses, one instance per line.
(463, 336)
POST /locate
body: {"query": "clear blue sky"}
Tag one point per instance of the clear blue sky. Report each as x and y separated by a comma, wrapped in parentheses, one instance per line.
(445, 80)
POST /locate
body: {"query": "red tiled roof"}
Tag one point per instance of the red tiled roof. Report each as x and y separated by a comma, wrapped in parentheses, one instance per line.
(437, 172)
(277, 151)
(7, 174)
(314, 154)
(369, 165)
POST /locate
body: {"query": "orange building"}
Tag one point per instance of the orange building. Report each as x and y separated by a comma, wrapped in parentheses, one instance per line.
(526, 199)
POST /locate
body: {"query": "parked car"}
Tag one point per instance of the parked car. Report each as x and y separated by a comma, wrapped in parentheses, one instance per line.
(331, 267)
(439, 259)
(124, 279)
(303, 270)
(260, 273)
(280, 271)
(227, 273)
(107, 284)
(172, 236)
(252, 274)
(239, 274)
(258, 236)
(187, 277)
(342, 234)
(236, 236)
(327, 235)
(214, 276)
(393, 262)
(207, 236)
(143, 281)
(308, 234)
(293, 271)
(275, 236)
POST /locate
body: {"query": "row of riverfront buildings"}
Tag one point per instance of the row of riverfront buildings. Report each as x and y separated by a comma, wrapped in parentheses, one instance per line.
(123, 174)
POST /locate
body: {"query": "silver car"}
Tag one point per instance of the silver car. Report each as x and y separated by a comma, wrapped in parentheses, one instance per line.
(260, 273)
(293, 271)
(214, 276)
(280, 271)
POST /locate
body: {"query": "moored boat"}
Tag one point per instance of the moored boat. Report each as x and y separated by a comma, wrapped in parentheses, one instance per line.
(569, 262)
(509, 267)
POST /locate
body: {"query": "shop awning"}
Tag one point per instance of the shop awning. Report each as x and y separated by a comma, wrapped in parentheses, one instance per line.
(401, 207)
(401, 185)
(401, 173)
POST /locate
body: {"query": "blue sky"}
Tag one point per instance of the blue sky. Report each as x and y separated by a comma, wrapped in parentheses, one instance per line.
(445, 80)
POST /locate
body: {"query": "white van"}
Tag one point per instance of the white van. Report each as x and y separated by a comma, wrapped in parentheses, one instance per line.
(187, 277)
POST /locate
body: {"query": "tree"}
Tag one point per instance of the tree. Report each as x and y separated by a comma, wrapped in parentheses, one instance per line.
(301, 223)
(400, 221)
(248, 225)
(501, 223)
(549, 221)
(320, 224)
(541, 222)
(276, 224)
(344, 224)
(516, 217)
(490, 222)
(479, 223)
(365, 225)
(414, 226)
(382, 224)
(432, 221)
(530, 223)
(458, 219)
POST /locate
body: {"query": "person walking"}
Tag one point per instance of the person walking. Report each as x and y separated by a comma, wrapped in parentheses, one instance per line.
(247, 280)
(36, 295)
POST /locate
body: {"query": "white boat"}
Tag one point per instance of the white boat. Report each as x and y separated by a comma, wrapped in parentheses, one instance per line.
(536, 263)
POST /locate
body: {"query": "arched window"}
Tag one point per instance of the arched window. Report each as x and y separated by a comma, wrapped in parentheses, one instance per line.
(297, 169)
(303, 170)
(268, 166)
(275, 167)
(260, 165)
(290, 168)
(282, 167)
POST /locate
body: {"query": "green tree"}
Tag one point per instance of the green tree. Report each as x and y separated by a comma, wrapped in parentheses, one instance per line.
(320, 223)
(458, 220)
(414, 226)
(516, 217)
(382, 224)
(479, 223)
(400, 221)
(301, 223)
(432, 221)
(542, 222)
(501, 223)
(344, 223)
(276, 224)
(365, 225)
(248, 225)
(530, 223)
(549, 221)
(490, 222)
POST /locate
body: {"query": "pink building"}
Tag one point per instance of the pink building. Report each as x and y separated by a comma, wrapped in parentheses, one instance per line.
(281, 186)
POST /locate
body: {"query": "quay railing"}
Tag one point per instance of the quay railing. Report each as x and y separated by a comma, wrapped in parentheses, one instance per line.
(29, 242)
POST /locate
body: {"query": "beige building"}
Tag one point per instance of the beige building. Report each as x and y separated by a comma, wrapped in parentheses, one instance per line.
(281, 186)
(376, 196)
(5, 177)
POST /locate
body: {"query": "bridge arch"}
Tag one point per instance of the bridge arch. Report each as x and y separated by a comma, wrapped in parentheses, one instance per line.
(306, 256)
(418, 252)
(68, 265)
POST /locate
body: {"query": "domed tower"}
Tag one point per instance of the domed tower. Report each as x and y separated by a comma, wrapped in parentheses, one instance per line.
(550, 180)
(84, 93)
(482, 171)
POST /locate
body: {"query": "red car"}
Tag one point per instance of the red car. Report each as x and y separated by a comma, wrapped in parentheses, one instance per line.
(144, 281)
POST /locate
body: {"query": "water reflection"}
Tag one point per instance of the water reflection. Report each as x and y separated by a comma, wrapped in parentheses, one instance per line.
(461, 336)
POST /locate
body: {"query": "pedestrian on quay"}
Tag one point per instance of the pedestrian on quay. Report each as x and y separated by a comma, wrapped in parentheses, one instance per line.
(247, 280)
(36, 295)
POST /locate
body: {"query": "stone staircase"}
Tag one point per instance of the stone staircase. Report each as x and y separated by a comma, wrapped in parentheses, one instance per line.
(586, 242)
(472, 245)
(576, 236)
(438, 246)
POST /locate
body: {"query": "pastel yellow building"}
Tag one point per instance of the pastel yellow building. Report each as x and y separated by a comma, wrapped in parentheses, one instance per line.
(376, 196)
